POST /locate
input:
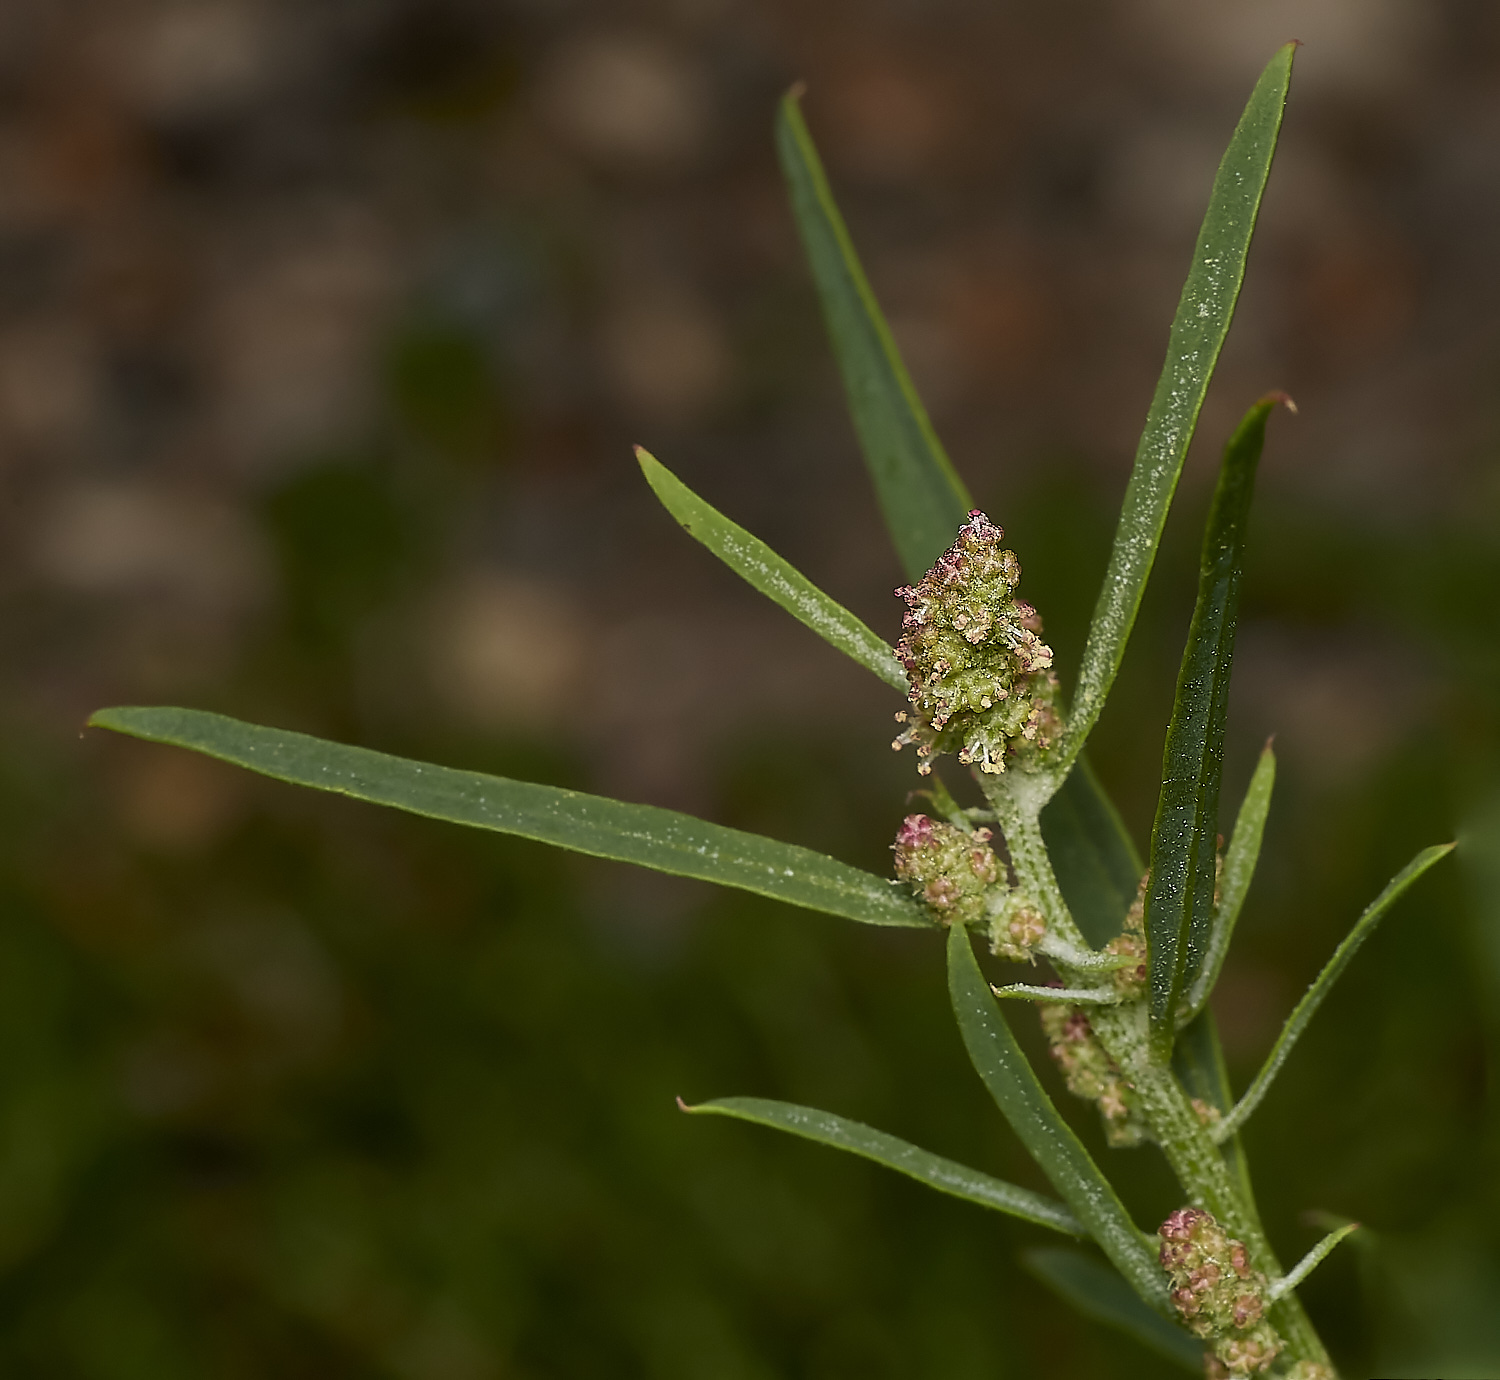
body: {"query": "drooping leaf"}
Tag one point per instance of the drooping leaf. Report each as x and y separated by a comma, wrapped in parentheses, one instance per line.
(753, 560)
(1017, 1092)
(945, 1175)
(1097, 867)
(641, 834)
(1239, 870)
(921, 495)
(1180, 895)
(1305, 1009)
(1198, 331)
(1099, 1293)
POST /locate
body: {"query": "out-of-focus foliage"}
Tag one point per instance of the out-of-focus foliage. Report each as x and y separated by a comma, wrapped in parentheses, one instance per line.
(319, 368)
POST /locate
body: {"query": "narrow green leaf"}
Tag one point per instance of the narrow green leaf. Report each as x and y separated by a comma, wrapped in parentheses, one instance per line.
(1303, 1013)
(1310, 1262)
(1097, 867)
(1239, 870)
(641, 834)
(1198, 331)
(922, 497)
(1099, 1293)
(1013, 1084)
(754, 561)
(1180, 895)
(945, 1175)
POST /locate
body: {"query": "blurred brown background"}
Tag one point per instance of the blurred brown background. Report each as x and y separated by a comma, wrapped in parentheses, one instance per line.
(327, 327)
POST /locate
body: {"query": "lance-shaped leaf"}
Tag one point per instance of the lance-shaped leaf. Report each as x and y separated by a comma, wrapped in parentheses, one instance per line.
(1096, 864)
(1099, 1293)
(1239, 870)
(923, 499)
(641, 834)
(1310, 1262)
(1013, 1084)
(752, 559)
(1180, 896)
(945, 1175)
(1198, 331)
(1297, 1021)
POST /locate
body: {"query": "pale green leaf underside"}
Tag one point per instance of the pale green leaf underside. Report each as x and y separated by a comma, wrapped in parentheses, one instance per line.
(1099, 1293)
(1011, 1081)
(921, 496)
(1198, 331)
(945, 1175)
(755, 562)
(640, 834)
(1306, 1008)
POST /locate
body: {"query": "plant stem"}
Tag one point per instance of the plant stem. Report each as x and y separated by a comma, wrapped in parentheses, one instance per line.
(1197, 1161)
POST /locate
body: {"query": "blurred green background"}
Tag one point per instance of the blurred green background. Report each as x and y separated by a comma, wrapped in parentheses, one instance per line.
(326, 330)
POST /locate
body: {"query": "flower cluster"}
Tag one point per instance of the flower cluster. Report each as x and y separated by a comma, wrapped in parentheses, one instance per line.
(1091, 1073)
(949, 870)
(981, 683)
(957, 876)
(1220, 1297)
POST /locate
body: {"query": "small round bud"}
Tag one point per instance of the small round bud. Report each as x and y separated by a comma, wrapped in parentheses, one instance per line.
(1017, 926)
(981, 683)
(949, 870)
(1249, 1352)
(1309, 1370)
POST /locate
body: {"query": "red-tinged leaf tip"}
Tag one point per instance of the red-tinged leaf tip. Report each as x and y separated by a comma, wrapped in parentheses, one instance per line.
(683, 1106)
(1277, 396)
(796, 91)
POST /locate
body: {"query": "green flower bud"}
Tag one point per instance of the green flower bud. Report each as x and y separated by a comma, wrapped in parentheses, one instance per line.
(1090, 1073)
(981, 683)
(1130, 982)
(1016, 926)
(950, 871)
(1218, 1294)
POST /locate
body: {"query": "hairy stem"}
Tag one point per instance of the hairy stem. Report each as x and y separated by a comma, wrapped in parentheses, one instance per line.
(1198, 1162)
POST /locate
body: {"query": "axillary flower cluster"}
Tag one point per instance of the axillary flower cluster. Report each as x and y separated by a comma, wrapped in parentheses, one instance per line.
(980, 674)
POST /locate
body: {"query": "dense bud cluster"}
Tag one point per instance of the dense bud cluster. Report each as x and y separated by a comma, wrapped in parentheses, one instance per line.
(949, 870)
(981, 683)
(1091, 1073)
(957, 876)
(1220, 1297)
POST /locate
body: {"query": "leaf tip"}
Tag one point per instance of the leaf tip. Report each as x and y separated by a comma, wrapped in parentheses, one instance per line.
(1277, 395)
(684, 1106)
(795, 92)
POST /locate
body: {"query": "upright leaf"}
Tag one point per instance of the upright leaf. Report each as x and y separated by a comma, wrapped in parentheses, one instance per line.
(1239, 870)
(754, 561)
(1097, 867)
(922, 497)
(945, 1175)
(1013, 1084)
(641, 834)
(1305, 1009)
(1184, 856)
(1099, 1293)
(1198, 331)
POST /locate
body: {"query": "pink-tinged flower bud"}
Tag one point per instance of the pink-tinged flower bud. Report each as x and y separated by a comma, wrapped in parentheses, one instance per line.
(1249, 1352)
(980, 676)
(949, 870)
(1308, 1370)
(1218, 1294)
(1090, 1073)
